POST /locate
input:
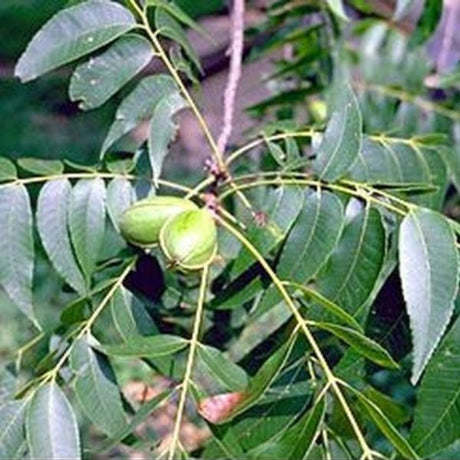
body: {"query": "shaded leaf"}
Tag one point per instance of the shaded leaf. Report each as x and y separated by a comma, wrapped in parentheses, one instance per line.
(52, 430)
(226, 372)
(170, 28)
(120, 196)
(178, 13)
(17, 247)
(438, 403)
(12, 434)
(297, 440)
(140, 416)
(52, 218)
(341, 142)
(97, 80)
(282, 207)
(261, 381)
(362, 344)
(329, 306)
(130, 316)
(41, 167)
(429, 270)
(151, 346)
(257, 329)
(272, 415)
(138, 106)
(8, 170)
(87, 221)
(96, 389)
(162, 130)
(72, 33)
(354, 266)
(385, 426)
(312, 238)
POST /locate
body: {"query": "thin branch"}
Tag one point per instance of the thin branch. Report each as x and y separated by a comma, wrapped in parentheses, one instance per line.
(331, 379)
(236, 56)
(190, 362)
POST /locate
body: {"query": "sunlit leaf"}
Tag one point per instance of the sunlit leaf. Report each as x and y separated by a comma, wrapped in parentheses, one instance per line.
(96, 389)
(120, 195)
(52, 218)
(138, 106)
(12, 433)
(403, 7)
(162, 130)
(17, 247)
(429, 270)
(151, 346)
(52, 431)
(87, 221)
(97, 80)
(72, 33)
(341, 142)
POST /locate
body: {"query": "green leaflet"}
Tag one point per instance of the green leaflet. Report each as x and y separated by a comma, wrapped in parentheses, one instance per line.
(282, 208)
(96, 81)
(138, 106)
(350, 275)
(436, 415)
(51, 426)
(96, 389)
(162, 130)
(151, 346)
(429, 270)
(120, 196)
(41, 167)
(341, 142)
(72, 33)
(8, 170)
(17, 247)
(52, 218)
(313, 237)
(87, 222)
(12, 434)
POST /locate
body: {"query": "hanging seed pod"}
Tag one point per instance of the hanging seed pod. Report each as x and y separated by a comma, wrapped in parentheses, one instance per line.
(189, 240)
(141, 223)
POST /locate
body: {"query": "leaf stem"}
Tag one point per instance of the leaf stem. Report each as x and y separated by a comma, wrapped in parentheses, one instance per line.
(92, 175)
(365, 194)
(255, 143)
(190, 362)
(86, 326)
(164, 57)
(332, 381)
